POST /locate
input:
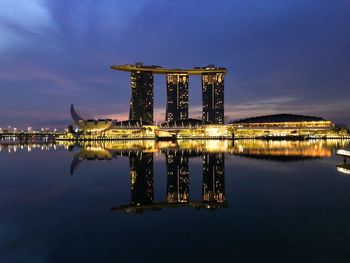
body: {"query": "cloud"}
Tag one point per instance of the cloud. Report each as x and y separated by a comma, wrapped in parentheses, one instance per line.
(41, 75)
(261, 104)
(279, 56)
(30, 14)
(8, 37)
(20, 18)
(334, 110)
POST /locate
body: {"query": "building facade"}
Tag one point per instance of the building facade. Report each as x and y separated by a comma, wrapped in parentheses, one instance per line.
(141, 102)
(177, 97)
(213, 97)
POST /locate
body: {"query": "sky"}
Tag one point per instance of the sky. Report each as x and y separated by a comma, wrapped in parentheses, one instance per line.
(282, 56)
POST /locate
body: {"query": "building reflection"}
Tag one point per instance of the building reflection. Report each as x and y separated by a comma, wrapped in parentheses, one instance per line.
(257, 149)
(178, 158)
(262, 149)
(178, 189)
(214, 177)
(141, 176)
(344, 168)
(178, 177)
(284, 150)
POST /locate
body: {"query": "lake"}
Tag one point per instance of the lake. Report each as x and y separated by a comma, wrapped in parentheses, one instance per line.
(190, 201)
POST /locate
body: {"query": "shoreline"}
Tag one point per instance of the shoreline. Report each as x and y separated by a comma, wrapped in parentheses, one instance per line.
(24, 142)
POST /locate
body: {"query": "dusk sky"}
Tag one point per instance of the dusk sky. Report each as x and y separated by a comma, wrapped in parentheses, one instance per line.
(282, 56)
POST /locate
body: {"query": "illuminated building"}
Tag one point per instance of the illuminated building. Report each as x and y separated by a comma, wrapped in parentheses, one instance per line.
(141, 102)
(177, 97)
(178, 176)
(213, 97)
(177, 91)
(90, 125)
(285, 125)
(284, 121)
(179, 126)
(205, 132)
(141, 174)
(183, 123)
(213, 177)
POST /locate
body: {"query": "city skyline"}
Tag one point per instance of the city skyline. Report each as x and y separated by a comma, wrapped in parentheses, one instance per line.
(174, 130)
(177, 90)
(282, 57)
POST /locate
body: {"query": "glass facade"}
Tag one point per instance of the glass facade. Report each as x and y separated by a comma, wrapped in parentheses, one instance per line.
(177, 97)
(141, 102)
(213, 97)
(177, 81)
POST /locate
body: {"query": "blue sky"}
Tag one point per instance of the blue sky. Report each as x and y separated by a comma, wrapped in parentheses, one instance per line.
(282, 56)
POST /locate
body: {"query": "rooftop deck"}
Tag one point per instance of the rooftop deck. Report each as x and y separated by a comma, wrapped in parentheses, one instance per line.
(161, 70)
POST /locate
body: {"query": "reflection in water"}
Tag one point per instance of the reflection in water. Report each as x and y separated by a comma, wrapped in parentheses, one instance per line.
(14, 147)
(178, 177)
(344, 168)
(284, 150)
(177, 157)
(214, 177)
(177, 163)
(279, 150)
(178, 192)
(303, 204)
(90, 153)
(248, 148)
(141, 176)
(260, 149)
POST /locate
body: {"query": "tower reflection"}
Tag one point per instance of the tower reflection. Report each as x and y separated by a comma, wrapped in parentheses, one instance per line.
(178, 157)
(178, 177)
(141, 176)
(214, 177)
(178, 189)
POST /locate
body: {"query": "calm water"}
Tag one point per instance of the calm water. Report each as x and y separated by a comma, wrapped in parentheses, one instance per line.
(254, 201)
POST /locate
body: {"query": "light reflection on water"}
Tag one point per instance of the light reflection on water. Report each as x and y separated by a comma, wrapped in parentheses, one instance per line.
(311, 148)
(69, 202)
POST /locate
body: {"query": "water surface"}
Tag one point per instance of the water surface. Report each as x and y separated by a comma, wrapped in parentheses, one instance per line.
(198, 201)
